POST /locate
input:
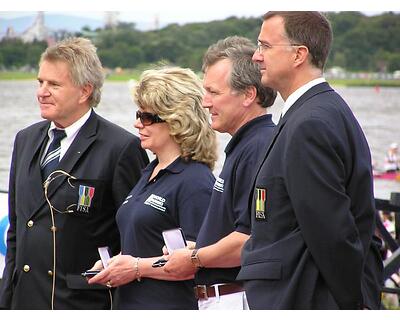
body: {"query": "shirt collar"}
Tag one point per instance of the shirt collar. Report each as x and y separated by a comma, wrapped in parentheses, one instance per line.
(73, 128)
(177, 166)
(245, 129)
(299, 92)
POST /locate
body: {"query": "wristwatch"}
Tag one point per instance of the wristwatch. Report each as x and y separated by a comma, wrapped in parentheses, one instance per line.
(195, 259)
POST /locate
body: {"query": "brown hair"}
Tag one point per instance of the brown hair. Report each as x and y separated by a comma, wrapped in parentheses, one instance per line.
(309, 28)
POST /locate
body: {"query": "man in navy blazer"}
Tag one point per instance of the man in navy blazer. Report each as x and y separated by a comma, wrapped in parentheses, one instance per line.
(312, 210)
(57, 222)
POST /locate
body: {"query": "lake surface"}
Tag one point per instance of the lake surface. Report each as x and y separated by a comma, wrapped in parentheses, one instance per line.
(378, 112)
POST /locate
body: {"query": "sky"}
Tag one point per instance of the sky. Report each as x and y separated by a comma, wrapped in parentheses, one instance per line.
(182, 11)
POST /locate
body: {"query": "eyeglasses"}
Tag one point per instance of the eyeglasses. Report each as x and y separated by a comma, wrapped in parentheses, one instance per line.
(265, 46)
(147, 118)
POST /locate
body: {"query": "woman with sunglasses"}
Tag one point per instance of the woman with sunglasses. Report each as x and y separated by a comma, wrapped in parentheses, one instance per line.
(174, 190)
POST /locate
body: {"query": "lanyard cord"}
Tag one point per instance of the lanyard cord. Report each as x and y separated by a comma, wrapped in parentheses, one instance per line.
(111, 299)
(52, 176)
(53, 228)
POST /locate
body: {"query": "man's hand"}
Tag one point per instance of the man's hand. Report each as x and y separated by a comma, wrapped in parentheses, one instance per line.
(190, 245)
(179, 265)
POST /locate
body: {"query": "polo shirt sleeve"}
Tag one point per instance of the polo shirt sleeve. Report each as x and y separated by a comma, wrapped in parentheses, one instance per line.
(193, 207)
(244, 175)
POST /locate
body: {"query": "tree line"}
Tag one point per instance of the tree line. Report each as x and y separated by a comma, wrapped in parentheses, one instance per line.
(361, 43)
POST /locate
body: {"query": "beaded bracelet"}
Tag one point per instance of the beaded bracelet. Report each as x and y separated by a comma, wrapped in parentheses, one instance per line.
(138, 276)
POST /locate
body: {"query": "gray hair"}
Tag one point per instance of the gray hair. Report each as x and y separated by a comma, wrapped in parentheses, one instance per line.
(84, 64)
(245, 73)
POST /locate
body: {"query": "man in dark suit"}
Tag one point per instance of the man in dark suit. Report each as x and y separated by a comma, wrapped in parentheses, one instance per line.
(312, 211)
(66, 188)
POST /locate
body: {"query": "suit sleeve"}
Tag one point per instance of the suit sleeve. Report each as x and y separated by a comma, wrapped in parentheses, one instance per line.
(6, 288)
(128, 170)
(316, 166)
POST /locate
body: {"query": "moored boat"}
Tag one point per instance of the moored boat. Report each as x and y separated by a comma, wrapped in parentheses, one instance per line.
(394, 175)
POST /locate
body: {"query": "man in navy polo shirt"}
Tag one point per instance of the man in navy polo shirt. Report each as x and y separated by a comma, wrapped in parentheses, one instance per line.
(237, 102)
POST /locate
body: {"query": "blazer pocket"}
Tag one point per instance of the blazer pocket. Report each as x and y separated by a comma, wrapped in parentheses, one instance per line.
(265, 270)
(85, 198)
(76, 281)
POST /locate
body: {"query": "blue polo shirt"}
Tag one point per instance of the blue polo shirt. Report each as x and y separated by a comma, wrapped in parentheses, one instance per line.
(177, 197)
(229, 205)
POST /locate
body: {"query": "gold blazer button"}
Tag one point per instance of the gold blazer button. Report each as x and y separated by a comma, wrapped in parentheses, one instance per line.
(30, 224)
(27, 268)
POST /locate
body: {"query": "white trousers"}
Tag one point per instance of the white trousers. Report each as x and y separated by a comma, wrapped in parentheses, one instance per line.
(233, 301)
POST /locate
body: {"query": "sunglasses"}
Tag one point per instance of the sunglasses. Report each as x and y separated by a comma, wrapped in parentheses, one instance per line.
(147, 118)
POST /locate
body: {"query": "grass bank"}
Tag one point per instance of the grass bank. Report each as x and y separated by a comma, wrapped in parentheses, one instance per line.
(16, 75)
(128, 75)
(364, 82)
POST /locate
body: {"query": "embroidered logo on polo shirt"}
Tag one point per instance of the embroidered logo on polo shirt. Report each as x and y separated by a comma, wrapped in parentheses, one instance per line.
(156, 202)
(219, 185)
(261, 199)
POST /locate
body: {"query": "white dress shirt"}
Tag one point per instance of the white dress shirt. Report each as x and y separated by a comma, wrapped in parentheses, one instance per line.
(70, 131)
(298, 93)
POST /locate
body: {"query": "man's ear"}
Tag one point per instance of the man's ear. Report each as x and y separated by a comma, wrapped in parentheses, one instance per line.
(302, 54)
(86, 92)
(250, 95)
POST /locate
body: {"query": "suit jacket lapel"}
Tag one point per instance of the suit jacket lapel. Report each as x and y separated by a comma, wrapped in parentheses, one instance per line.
(85, 137)
(34, 172)
(319, 88)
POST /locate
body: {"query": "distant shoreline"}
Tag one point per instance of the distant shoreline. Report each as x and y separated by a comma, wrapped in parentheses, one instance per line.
(17, 75)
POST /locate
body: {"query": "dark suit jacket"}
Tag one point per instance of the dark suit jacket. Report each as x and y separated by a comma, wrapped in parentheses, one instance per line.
(103, 156)
(311, 247)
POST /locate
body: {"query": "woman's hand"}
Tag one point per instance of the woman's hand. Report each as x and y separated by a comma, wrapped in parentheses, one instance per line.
(120, 271)
(97, 266)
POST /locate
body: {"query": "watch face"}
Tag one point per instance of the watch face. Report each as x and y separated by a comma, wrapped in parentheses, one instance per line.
(195, 258)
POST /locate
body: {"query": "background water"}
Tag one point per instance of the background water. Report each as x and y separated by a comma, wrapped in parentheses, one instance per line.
(378, 112)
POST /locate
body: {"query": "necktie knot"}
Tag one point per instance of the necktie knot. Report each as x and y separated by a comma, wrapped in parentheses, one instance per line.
(58, 135)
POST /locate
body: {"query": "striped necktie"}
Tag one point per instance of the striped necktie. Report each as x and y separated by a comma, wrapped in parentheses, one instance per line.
(50, 161)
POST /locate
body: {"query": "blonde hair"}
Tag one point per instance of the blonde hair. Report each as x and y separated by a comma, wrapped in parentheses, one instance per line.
(175, 95)
(84, 64)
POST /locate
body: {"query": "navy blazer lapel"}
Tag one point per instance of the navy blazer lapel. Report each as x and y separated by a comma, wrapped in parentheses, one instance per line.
(38, 143)
(319, 88)
(86, 136)
(34, 172)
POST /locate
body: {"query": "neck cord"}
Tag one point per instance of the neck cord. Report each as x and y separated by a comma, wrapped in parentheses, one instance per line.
(52, 176)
